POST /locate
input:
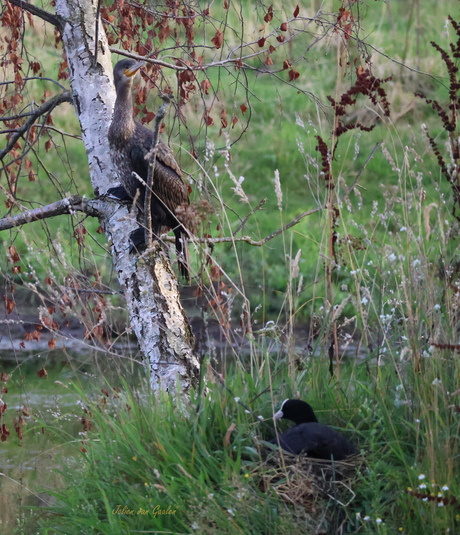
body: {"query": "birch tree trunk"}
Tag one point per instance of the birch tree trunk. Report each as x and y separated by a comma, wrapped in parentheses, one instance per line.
(151, 288)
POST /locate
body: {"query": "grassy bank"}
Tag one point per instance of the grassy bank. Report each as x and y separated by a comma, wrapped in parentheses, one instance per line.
(217, 479)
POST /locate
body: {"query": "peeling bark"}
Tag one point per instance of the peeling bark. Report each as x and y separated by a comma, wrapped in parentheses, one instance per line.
(151, 288)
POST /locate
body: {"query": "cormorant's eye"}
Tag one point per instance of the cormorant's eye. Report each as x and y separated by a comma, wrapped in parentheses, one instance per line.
(131, 71)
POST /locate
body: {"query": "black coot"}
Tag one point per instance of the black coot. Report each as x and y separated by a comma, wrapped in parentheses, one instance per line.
(308, 436)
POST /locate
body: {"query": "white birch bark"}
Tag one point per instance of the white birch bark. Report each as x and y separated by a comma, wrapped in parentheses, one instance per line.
(151, 288)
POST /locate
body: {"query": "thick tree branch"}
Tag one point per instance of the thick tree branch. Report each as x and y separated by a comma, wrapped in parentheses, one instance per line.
(55, 20)
(64, 206)
(47, 107)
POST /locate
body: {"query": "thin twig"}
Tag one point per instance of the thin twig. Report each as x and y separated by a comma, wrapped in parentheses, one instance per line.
(96, 38)
(355, 181)
(92, 291)
(61, 132)
(47, 107)
(151, 172)
(245, 220)
(41, 78)
(247, 239)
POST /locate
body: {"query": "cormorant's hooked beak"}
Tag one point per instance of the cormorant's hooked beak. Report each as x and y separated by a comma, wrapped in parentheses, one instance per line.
(133, 69)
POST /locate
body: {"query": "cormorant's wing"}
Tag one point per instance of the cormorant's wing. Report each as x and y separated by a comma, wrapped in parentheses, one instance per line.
(168, 184)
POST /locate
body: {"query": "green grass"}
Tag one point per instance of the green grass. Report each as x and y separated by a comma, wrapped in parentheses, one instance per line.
(142, 452)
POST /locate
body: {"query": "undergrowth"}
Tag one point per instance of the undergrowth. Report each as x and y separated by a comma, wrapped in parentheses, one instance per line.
(207, 461)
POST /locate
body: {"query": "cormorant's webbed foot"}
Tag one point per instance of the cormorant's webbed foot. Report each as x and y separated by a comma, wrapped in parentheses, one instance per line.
(119, 193)
(137, 239)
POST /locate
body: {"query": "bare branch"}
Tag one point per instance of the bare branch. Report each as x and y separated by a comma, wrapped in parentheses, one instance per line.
(153, 61)
(64, 206)
(88, 206)
(57, 130)
(245, 220)
(96, 39)
(55, 20)
(151, 172)
(47, 107)
(247, 239)
(355, 181)
(41, 78)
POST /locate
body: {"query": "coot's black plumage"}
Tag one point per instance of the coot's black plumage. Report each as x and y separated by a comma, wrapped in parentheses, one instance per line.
(308, 436)
(130, 142)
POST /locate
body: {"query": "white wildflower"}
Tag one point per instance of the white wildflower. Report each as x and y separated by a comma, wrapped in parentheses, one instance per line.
(295, 265)
(238, 189)
(279, 193)
(298, 121)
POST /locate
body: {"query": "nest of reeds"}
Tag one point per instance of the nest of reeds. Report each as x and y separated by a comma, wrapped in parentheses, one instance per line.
(321, 488)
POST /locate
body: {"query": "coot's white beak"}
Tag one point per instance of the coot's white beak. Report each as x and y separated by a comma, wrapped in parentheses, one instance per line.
(278, 415)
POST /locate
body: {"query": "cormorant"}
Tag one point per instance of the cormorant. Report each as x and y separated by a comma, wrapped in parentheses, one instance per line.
(130, 143)
(308, 436)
